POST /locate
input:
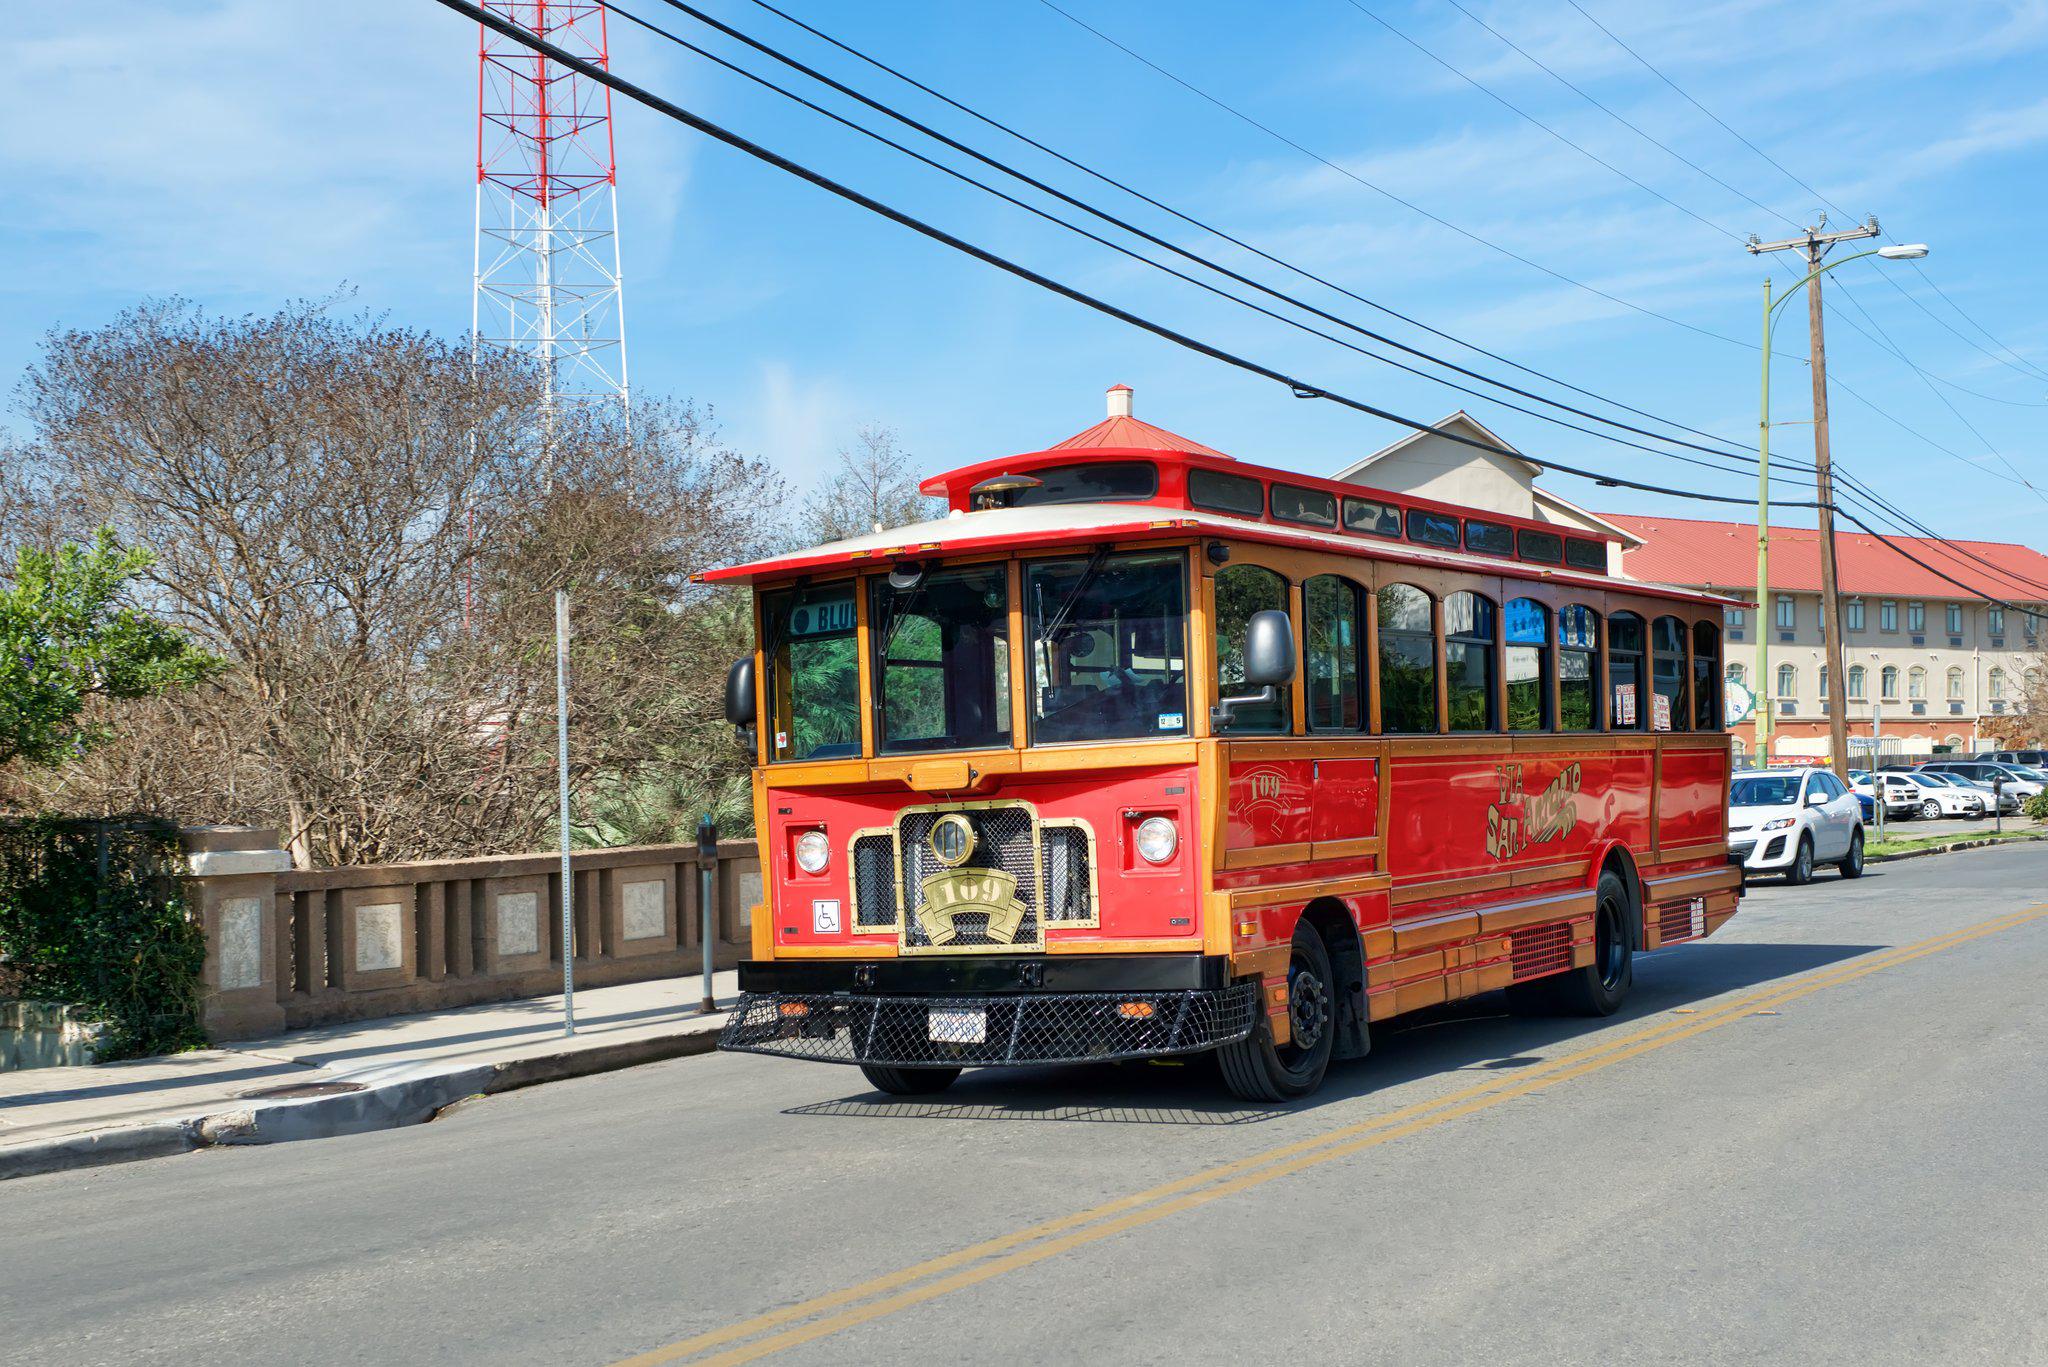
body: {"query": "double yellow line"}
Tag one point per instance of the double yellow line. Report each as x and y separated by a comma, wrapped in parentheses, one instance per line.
(885, 1295)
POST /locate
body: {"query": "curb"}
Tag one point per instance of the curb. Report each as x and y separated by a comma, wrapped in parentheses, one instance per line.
(405, 1099)
(1956, 845)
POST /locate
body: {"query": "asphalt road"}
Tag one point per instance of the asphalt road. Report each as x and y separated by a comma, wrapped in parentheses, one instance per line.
(1820, 1137)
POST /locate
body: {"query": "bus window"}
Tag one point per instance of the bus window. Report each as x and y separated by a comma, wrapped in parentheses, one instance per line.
(814, 672)
(1489, 538)
(1374, 519)
(1468, 661)
(1332, 647)
(1669, 710)
(1527, 662)
(1221, 493)
(1108, 659)
(1112, 481)
(1706, 677)
(1625, 672)
(1546, 547)
(1585, 555)
(1242, 590)
(942, 662)
(1407, 643)
(1311, 507)
(1433, 529)
(1578, 668)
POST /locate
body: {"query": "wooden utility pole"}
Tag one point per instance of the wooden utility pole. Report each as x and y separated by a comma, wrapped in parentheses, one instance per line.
(1814, 245)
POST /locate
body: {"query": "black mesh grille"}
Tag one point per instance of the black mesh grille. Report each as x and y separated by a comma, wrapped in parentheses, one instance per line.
(982, 1032)
(1541, 950)
(1069, 885)
(874, 881)
(1004, 838)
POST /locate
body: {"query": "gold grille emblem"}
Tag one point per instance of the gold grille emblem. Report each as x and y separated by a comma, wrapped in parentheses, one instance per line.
(951, 840)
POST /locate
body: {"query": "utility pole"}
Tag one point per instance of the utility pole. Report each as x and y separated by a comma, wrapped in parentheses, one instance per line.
(1814, 245)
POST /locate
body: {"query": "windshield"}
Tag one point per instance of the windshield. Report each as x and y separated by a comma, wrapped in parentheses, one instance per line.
(942, 659)
(1108, 646)
(814, 672)
(1765, 790)
(2029, 773)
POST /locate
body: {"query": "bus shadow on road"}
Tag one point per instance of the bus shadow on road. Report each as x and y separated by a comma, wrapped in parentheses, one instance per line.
(1479, 1034)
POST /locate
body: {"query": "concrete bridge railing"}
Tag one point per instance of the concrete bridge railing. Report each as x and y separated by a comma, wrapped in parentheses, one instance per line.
(289, 947)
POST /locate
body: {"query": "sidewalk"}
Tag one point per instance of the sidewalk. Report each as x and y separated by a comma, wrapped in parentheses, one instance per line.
(340, 1079)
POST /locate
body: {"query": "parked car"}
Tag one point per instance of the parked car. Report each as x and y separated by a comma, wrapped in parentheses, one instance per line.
(1992, 799)
(1976, 801)
(2032, 759)
(2021, 782)
(1938, 799)
(1792, 819)
(1901, 795)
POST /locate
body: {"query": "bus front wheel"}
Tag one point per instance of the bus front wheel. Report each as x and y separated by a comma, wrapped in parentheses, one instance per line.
(908, 1081)
(1254, 1068)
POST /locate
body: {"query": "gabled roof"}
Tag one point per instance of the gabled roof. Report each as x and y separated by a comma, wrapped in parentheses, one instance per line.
(1128, 433)
(1678, 550)
(1480, 429)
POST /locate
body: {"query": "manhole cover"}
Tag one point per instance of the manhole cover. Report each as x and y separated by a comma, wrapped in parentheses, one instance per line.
(295, 1089)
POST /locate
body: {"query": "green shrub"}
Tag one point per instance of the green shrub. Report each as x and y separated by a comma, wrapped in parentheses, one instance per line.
(2037, 806)
(92, 913)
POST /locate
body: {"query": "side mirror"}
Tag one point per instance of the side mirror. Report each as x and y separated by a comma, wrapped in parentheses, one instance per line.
(1816, 799)
(1268, 663)
(739, 692)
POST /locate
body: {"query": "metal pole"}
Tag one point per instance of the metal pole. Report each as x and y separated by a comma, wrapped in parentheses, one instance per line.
(562, 796)
(1763, 550)
(1824, 484)
(1877, 774)
(707, 901)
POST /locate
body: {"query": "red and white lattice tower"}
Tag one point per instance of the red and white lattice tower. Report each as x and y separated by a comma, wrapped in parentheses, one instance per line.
(547, 239)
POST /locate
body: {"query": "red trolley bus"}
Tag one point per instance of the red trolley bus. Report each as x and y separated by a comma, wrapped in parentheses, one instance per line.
(1145, 751)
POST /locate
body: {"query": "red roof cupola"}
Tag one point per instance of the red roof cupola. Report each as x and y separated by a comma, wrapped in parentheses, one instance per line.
(1120, 431)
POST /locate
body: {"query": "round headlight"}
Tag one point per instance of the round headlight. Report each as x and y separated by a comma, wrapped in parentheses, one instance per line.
(1158, 837)
(813, 851)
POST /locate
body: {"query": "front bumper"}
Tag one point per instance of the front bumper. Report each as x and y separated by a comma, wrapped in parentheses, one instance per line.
(1770, 850)
(989, 1013)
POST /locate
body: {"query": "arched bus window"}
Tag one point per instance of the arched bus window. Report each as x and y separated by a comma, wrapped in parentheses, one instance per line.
(1626, 667)
(1578, 668)
(1407, 643)
(1706, 676)
(1669, 709)
(1333, 653)
(1469, 662)
(1527, 665)
(1242, 590)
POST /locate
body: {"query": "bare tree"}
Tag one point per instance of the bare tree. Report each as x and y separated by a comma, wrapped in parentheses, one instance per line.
(370, 530)
(875, 487)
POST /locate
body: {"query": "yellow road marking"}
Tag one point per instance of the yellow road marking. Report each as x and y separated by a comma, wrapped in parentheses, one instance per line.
(1197, 1189)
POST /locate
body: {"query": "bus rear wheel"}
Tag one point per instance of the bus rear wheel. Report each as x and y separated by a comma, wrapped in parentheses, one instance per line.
(908, 1081)
(1256, 1069)
(1599, 988)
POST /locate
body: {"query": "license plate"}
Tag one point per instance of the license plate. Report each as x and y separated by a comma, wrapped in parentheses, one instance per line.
(957, 1027)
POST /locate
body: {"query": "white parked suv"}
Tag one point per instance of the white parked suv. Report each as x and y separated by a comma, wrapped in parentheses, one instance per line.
(1901, 795)
(1792, 819)
(1940, 799)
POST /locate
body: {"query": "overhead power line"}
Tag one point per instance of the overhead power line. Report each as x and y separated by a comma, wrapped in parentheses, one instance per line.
(1290, 266)
(1736, 454)
(1298, 387)
(1381, 190)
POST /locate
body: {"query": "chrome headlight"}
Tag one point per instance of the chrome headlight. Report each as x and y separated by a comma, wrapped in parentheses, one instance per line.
(813, 852)
(1158, 838)
(1781, 823)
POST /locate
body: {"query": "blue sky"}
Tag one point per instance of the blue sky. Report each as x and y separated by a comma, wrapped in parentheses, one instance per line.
(247, 151)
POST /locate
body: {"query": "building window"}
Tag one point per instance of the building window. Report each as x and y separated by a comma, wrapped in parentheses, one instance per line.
(1995, 685)
(1738, 675)
(1994, 620)
(1955, 619)
(1788, 681)
(1857, 678)
(1853, 615)
(1737, 618)
(1888, 681)
(1955, 685)
(1788, 617)
(1916, 617)
(1916, 682)
(1823, 684)
(1887, 616)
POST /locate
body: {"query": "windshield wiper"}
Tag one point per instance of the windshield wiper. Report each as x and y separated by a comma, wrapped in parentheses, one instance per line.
(1066, 608)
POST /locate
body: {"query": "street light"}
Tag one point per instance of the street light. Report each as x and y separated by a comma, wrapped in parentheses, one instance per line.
(1765, 690)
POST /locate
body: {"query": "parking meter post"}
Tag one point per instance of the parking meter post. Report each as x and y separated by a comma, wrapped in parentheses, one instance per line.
(707, 901)
(1998, 804)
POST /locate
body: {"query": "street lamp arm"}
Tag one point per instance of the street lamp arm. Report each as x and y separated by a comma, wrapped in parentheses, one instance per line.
(1793, 288)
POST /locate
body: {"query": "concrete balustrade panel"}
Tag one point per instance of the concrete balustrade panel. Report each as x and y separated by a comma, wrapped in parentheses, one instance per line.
(516, 920)
(641, 910)
(378, 939)
(231, 885)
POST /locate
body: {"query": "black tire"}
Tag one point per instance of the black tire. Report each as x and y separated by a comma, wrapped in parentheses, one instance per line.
(1931, 809)
(908, 1081)
(1801, 871)
(1254, 1068)
(1852, 863)
(1600, 987)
